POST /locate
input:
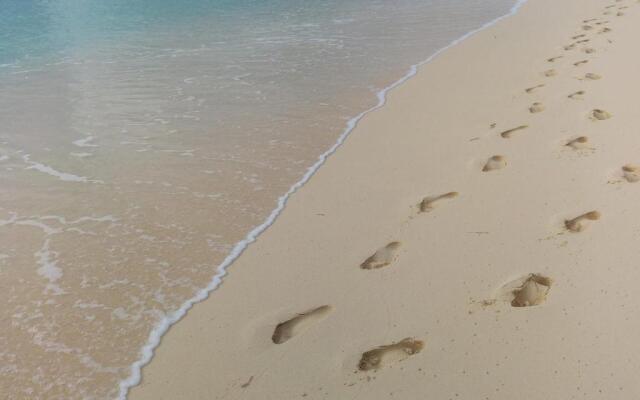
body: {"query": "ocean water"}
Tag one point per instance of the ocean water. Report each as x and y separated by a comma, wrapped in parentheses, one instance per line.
(142, 140)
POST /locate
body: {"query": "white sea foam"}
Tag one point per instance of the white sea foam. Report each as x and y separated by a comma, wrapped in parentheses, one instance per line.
(81, 155)
(63, 176)
(147, 351)
(48, 264)
(85, 142)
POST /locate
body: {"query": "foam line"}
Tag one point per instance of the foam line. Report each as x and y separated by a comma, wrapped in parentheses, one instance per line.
(147, 351)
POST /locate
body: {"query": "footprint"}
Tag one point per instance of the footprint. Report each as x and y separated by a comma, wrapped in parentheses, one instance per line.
(298, 324)
(552, 59)
(494, 163)
(532, 292)
(507, 134)
(428, 203)
(631, 173)
(536, 108)
(586, 21)
(576, 95)
(600, 115)
(386, 355)
(592, 76)
(577, 224)
(604, 30)
(583, 41)
(578, 63)
(589, 50)
(587, 27)
(383, 257)
(578, 36)
(620, 14)
(579, 143)
(550, 72)
(531, 89)
(570, 46)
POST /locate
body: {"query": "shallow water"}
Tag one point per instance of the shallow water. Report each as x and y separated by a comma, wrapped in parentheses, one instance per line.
(140, 140)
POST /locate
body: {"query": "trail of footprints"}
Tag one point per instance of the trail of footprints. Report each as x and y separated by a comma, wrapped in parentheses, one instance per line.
(527, 291)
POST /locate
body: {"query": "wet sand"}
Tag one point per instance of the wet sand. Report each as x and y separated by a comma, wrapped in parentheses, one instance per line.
(476, 238)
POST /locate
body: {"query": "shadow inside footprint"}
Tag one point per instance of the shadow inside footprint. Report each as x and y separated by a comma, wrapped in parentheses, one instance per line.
(600, 115)
(576, 95)
(631, 173)
(578, 63)
(532, 292)
(428, 203)
(536, 108)
(550, 72)
(591, 76)
(386, 355)
(532, 88)
(383, 257)
(298, 324)
(494, 163)
(578, 224)
(579, 143)
(508, 133)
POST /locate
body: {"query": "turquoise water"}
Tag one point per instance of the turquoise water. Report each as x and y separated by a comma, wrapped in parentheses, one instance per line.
(140, 140)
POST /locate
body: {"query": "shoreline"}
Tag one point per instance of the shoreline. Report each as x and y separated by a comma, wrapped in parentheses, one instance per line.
(155, 336)
(395, 184)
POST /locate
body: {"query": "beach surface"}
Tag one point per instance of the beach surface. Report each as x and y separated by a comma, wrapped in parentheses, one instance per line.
(475, 238)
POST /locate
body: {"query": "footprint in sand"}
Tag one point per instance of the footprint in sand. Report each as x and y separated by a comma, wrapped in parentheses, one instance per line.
(298, 324)
(576, 95)
(631, 173)
(532, 88)
(578, 63)
(508, 133)
(587, 27)
(552, 59)
(570, 46)
(550, 73)
(383, 257)
(589, 50)
(592, 77)
(428, 203)
(384, 356)
(579, 143)
(532, 291)
(583, 41)
(494, 163)
(526, 291)
(536, 108)
(578, 224)
(604, 30)
(620, 14)
(600, 115)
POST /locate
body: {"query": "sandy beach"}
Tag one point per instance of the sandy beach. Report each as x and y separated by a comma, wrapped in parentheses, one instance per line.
(475, 238)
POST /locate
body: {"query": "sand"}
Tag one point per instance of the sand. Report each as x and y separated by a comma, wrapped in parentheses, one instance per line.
(384, 284)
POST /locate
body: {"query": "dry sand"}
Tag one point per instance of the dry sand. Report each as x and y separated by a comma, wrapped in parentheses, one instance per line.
(515, 278)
